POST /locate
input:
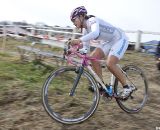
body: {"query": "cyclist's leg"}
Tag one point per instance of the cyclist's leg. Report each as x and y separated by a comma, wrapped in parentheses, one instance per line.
(98, 53)
(112, 62)
(117, 51)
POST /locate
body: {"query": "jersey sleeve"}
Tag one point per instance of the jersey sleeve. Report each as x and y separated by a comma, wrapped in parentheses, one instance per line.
(86, 44)
(94, 33)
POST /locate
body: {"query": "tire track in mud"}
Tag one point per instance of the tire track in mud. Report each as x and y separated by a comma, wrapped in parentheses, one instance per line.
(28, 113)
(21, 109)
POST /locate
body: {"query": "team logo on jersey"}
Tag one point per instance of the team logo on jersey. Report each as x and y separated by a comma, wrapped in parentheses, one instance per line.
(92, 22)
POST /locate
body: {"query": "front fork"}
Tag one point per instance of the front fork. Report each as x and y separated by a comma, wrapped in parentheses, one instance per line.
(79, 71)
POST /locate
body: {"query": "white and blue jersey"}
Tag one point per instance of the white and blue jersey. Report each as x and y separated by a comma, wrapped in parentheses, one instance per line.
(112, 40)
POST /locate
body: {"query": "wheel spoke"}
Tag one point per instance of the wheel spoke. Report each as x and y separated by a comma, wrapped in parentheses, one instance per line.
(136, 78)
(63, 107)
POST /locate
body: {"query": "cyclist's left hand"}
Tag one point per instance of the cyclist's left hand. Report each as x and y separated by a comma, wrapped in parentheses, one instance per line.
(75, 41)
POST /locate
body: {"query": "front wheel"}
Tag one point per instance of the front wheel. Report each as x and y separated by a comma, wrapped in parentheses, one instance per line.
(64, 107)
(137, 79)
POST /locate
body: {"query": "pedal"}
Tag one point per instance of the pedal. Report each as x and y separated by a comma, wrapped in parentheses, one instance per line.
(126, 98)
(106, 99)
(105, 96)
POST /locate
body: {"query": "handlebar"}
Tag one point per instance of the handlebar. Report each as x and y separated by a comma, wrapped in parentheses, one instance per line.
(68, 49)
(75, 55)
(72, 52)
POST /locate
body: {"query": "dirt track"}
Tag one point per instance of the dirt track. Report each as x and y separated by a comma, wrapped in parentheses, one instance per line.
(21, 109)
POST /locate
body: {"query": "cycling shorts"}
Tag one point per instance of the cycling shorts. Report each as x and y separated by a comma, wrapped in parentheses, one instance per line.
(116, 48)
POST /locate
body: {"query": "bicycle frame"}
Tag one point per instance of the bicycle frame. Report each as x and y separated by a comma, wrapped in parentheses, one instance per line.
(85, 63)
(80, 69)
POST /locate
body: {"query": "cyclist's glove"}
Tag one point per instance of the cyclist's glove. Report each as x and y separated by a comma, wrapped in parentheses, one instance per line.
(83, 50)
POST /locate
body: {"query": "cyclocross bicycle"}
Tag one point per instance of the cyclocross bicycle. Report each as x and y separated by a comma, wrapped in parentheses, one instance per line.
(67, 99)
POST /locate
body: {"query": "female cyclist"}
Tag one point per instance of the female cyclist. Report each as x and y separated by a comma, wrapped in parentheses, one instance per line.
(113, 43)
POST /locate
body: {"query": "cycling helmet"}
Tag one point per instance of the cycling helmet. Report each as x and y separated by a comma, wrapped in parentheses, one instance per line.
(77, 12)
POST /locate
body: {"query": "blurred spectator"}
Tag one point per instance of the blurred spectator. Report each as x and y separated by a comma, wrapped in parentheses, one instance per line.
(158, 50)
(158, 55)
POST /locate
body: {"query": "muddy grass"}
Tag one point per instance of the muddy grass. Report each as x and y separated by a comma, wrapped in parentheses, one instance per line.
(21, 107)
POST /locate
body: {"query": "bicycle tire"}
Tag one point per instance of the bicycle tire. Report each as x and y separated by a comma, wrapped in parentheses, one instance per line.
(138, 78)
(62, 109)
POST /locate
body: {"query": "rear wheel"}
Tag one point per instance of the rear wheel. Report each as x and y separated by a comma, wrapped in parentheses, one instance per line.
(135, 78)
(65, 108)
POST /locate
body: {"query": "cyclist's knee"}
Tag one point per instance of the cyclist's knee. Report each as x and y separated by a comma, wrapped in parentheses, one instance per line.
(109, 64)
(98, 53)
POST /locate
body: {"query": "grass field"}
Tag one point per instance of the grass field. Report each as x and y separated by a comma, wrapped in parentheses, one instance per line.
(20, 97)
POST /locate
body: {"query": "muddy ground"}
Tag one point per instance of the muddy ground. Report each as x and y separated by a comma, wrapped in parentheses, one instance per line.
(21, 107)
